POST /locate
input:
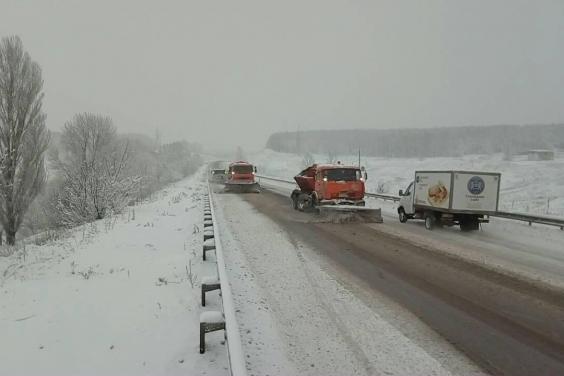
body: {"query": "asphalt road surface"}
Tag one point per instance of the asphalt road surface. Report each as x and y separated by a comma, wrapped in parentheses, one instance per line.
(506, 325)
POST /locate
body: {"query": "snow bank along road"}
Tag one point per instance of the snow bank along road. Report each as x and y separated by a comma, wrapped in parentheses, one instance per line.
(116, 297)
(326, 296)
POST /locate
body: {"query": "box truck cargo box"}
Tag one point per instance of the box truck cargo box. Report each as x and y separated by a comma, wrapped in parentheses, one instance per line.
(451, 197)
(458, 190)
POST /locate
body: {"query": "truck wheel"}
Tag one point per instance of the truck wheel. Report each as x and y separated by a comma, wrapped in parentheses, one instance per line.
(295, 202)
(402, 216)
(429, 221)
(313, 204)
(301, 204)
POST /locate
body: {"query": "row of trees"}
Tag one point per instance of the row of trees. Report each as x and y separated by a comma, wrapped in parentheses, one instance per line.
(432, 142)
(93, 170)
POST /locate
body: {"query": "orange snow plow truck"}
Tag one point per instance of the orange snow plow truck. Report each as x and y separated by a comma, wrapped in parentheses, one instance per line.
(334, 191)
(241, 177)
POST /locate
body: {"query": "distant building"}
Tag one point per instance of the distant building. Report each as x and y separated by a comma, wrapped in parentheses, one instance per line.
(540, 155)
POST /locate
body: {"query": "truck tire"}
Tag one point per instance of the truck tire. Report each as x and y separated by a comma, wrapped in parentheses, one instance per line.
(304, 203)
(301, 205)
(295, 202)
(295, 197)
(429, 221)
(402, 216)
(314, 201)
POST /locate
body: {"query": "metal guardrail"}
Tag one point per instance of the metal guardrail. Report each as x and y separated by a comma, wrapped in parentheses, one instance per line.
(382, 196)
(276, 179)
(550, 221)
(233, 338)
(545, 220)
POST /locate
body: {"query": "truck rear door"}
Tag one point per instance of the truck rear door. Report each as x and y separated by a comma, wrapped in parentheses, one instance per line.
(477, 192)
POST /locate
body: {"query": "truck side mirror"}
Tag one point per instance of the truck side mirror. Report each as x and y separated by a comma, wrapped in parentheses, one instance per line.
(401, 192)
(255, 168)
(365, 176)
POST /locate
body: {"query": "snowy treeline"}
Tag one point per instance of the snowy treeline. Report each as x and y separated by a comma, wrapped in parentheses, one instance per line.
(95, 172)
(432, 142)
(86, 173)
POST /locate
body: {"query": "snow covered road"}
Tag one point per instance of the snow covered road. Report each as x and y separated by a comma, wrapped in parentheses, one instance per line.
(532, 252)
(300, 269)
(298, 314)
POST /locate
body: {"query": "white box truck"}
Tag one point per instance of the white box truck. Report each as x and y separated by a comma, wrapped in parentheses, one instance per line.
(464, 198)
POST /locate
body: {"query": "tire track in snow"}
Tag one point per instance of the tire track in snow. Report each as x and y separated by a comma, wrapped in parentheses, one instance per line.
(358, 351)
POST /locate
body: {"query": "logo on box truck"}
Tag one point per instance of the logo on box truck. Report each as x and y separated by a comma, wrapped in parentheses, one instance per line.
(476, 185)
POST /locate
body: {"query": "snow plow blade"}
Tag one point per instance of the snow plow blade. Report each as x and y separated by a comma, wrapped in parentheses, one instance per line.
(242, 188)
(349, 214)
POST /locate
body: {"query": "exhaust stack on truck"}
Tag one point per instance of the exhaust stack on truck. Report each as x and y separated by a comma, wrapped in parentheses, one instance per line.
(464, 198)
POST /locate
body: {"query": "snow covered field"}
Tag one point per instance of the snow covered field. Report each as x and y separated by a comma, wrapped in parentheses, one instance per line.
(113, 297)
(535, 187)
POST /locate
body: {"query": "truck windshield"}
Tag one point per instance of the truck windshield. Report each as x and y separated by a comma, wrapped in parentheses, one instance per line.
(245, 169)
(342, 174)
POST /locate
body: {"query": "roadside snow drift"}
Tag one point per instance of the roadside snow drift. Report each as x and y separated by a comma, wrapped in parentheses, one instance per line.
(118, 296)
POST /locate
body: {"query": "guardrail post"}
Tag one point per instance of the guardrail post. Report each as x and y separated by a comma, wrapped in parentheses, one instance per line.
(209, 284)
(210, 321)
(208, 233)
(209, 245)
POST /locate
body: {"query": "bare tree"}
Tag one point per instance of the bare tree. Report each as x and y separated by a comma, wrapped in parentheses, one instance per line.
(23, 136)
(93, 164)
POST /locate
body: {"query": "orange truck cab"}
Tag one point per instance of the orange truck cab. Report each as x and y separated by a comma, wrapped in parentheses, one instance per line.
(329, 184)
(241, 174)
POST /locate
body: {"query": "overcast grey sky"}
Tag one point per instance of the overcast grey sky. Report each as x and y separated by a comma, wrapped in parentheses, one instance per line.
(235, 71)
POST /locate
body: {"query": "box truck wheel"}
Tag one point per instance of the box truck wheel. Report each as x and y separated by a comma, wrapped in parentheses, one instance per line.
(429, 220)
(402, 216)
